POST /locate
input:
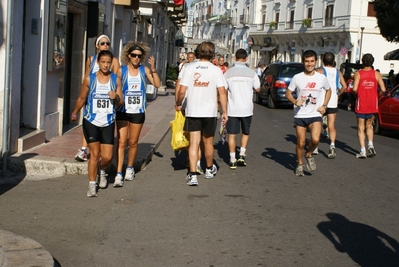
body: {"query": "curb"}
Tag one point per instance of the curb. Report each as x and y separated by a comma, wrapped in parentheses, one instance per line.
(22, 251)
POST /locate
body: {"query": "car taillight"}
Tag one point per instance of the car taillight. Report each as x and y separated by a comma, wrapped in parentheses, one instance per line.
(280, 84)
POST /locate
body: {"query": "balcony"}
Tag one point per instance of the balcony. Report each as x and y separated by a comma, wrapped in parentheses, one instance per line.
(130, 4)
(260, 27)
(244, 19)
(214, 19)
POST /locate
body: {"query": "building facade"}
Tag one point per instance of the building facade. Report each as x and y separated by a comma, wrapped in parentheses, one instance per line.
(273, 30)
(44, 45)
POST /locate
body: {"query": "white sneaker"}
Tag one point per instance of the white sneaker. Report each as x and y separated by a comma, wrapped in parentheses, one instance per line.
(371, 151)
(316, 151)
(129, 175)
(209, 173)
(361, 155)
(92, 192)
(118, 181)
(192, 179)
(103, 180)
(199, 169)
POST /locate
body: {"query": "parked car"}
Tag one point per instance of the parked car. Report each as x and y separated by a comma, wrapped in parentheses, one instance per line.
(274, 82)
(387, 117)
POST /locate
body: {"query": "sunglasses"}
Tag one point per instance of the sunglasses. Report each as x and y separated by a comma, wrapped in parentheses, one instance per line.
(105, 43)
(135, 55)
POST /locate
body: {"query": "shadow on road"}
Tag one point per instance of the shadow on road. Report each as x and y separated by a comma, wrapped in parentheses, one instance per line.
(366, 245)
(286, 159)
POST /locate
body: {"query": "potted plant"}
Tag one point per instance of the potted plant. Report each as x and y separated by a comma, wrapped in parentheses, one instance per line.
(272, 24)
(306, 22)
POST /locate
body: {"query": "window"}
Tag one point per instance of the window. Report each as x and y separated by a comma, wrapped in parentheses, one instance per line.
(310, 11)
(370, 10)
(291, 22)
(277, 19)
(328, 20)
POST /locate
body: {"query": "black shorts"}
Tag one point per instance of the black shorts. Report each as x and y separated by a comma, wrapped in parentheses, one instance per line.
(234, 123)
(137, 118)
(304, 122)
(331, 111)
(206, 125)
(104, 135)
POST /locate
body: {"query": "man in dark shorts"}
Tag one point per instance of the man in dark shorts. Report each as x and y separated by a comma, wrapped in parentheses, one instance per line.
(309, 106)
(200, 84)
(365, 85)
(241, 81)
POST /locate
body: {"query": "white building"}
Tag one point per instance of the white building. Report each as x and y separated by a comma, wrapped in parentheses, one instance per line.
(274, 30)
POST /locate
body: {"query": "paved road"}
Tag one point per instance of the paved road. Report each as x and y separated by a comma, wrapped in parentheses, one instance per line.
(344, 214)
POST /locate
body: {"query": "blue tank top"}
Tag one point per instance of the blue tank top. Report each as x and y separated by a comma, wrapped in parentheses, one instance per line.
(135, 96)
(100, 109)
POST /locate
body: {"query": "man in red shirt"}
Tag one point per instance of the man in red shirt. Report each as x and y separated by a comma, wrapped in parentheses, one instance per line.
(221, 64)
(365, 85)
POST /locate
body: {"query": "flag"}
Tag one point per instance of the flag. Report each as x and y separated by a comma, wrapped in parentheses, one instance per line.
(178, 2)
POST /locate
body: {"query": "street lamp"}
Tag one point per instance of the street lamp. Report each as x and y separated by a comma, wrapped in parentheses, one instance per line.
(361, 42)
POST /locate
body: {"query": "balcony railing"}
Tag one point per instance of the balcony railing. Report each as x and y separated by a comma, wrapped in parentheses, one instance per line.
(260, 27)
(328, 22)
(244, 19)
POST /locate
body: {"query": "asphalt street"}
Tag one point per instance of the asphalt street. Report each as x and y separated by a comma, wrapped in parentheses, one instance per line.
(343, 214)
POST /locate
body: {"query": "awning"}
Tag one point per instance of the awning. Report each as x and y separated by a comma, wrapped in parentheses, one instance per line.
(268, 48)
(393, 55)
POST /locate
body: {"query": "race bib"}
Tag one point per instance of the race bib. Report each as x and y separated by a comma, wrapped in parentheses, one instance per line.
(133, 101)
(102, 104)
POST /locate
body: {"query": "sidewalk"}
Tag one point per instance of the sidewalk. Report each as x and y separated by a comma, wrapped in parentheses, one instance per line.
(56, 158)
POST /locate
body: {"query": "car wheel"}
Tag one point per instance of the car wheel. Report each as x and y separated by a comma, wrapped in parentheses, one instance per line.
(376, 125)
(270, 102)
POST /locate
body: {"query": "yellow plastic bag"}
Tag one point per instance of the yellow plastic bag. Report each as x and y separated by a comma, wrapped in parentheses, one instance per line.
(179, 137)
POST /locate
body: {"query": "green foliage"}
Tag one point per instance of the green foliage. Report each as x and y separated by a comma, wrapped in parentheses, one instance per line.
(171, 72)
(272, 24)
(387, 13)
(306, 22)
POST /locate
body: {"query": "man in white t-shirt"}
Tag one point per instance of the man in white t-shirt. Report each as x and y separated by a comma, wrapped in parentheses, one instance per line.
(241, 82)
(309, 106)
(200, 84)
(335, 78)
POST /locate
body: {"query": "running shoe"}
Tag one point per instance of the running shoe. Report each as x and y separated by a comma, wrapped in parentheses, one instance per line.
(361, 155)
(129, 175)
(371, 152)
(92, 192)
(233, 165)
(192, 180)
(316, 151)
(310, 163)
(198, 168)
(209, 173)
(331, 153)
(103, 180)
(241, 161)
(81, 155)
(299, 170)
(118, 181)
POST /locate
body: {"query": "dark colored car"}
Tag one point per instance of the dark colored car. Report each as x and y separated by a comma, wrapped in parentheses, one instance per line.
(387, 117)
(274, 82)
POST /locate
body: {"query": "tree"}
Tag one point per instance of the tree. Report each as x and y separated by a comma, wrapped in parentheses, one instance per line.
(387, 13)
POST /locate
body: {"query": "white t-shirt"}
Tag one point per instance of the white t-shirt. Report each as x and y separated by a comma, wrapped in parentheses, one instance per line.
(241, 81)
(202, 79)
(311, 90)
(332, 80)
